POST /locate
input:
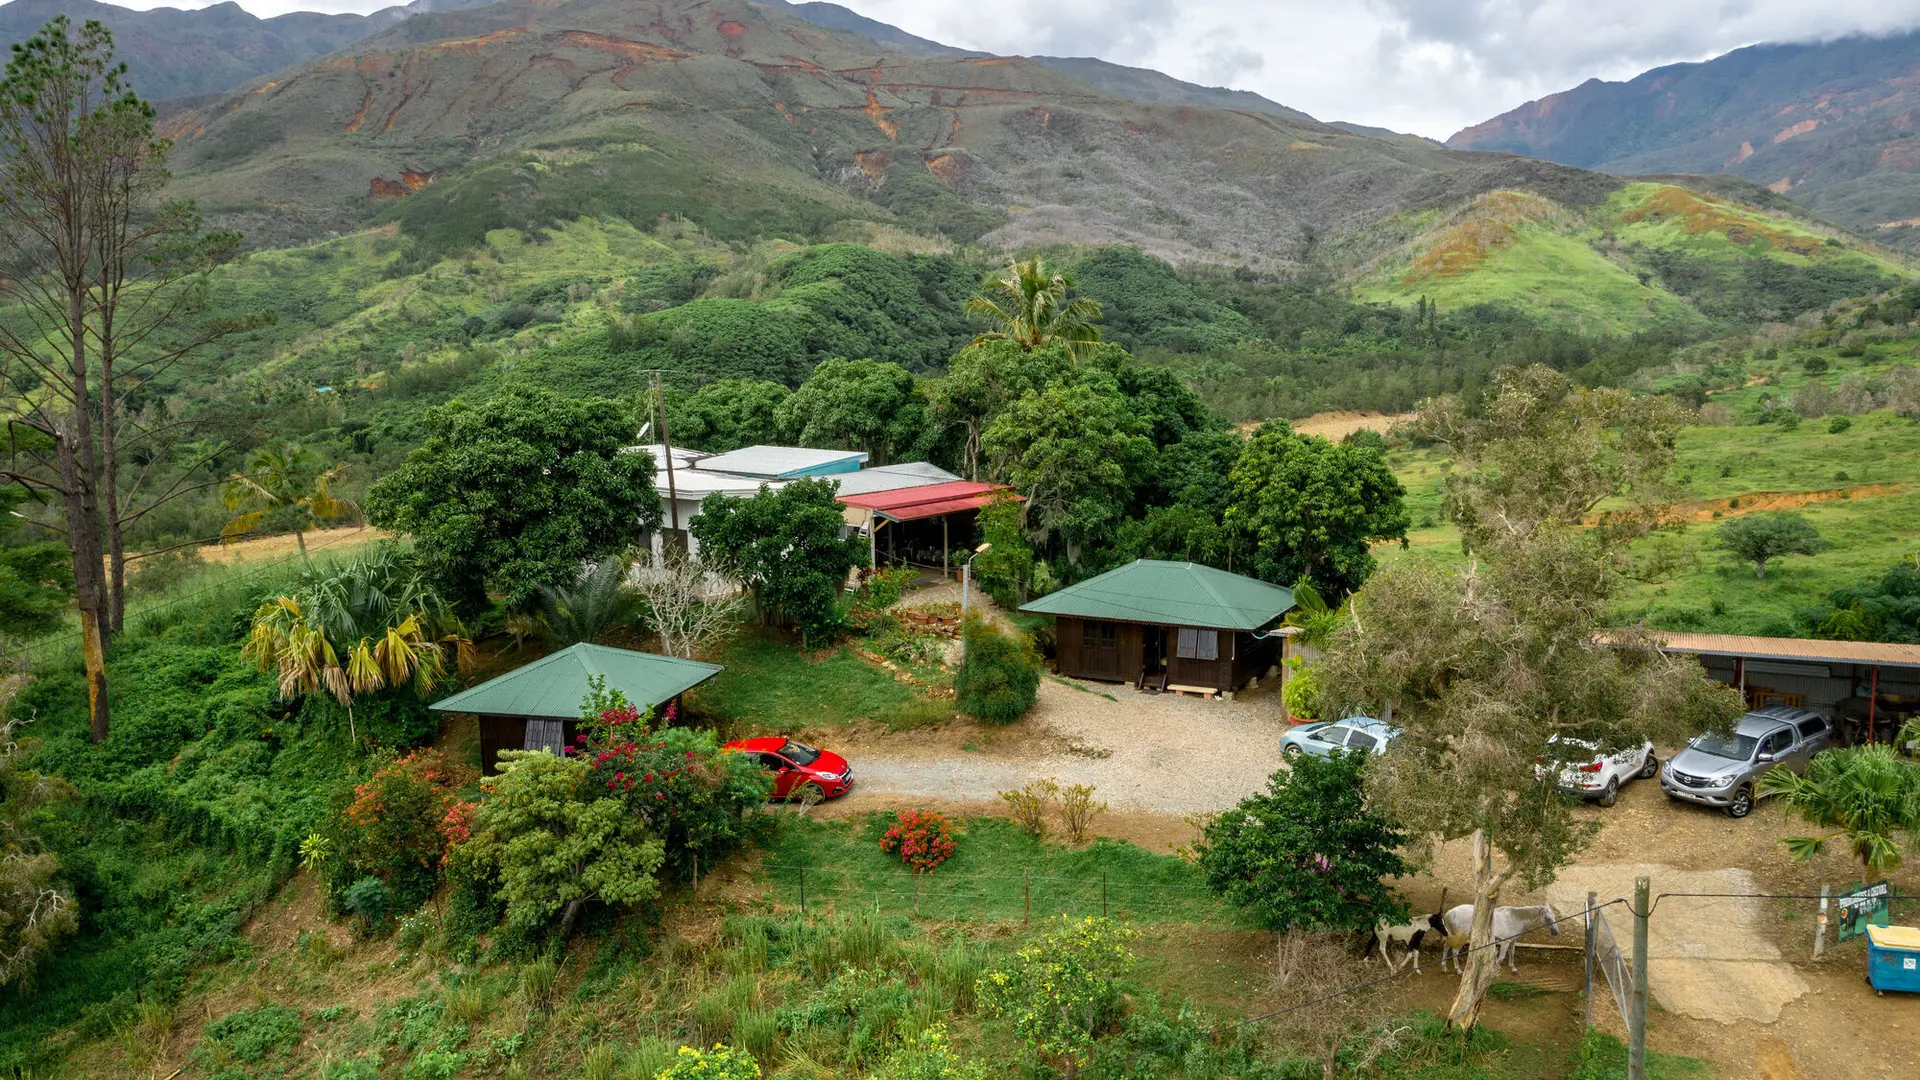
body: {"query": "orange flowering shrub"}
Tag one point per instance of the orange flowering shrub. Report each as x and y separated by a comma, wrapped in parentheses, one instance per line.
(400, 823)
(924, 839)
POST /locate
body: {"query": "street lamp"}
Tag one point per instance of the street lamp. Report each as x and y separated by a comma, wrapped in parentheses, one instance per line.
(966, 578)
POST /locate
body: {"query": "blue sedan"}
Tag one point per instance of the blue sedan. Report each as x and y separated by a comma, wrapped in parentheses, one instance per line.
(1357, 734)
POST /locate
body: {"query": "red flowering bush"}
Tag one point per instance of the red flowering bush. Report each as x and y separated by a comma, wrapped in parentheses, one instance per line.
(696, 798)
(399, 823)
(924, 839)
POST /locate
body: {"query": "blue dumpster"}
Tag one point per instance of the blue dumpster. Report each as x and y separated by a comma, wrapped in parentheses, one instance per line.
(1893, 958)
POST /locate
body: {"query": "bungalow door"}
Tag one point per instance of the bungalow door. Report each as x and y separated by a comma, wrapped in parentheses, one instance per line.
(1100, 648)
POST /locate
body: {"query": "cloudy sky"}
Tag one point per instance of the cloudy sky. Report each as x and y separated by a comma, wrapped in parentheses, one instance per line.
(1426, 66)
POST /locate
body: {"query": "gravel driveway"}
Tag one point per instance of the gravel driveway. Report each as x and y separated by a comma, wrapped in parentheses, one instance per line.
(1163, 754)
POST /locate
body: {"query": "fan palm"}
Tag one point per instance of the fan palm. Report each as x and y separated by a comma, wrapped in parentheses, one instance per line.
(370, 625)
(288, 483)
(1867, 796)
(1029, 303)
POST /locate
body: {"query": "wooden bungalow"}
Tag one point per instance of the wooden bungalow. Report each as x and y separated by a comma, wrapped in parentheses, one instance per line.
(1167, 625)
(537, 707)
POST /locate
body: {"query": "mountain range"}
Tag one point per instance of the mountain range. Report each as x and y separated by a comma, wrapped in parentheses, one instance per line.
(1832, 125)
(757, 119)
(172, 53)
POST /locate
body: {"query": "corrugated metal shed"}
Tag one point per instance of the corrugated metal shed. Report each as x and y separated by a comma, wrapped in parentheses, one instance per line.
(910, 474)
(931, 500)
(1170, 594)
(1803, 649)
(785, 462)
(556, 686)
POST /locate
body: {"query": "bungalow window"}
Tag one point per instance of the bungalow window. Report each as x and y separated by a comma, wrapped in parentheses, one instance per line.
(1198, 644)
(1099, 635)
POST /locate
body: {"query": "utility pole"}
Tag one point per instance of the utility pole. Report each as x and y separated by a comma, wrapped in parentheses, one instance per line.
(1637, 1005)
(666, 448)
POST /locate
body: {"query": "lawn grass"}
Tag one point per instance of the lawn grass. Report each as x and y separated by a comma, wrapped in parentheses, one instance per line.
(772, 686)
(998, 874)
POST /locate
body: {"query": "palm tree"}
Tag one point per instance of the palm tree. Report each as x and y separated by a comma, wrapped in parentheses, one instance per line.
(1029, 303)
(373, 624)
(584, 609)
(288, 483)
(1866, 796)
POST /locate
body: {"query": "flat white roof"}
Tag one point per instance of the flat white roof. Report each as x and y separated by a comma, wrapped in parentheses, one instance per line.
(682, 457)
(691, 483)
(908, 474)
(772, 461)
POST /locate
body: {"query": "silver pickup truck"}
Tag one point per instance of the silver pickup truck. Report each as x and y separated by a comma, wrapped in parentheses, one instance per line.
(1724, 771)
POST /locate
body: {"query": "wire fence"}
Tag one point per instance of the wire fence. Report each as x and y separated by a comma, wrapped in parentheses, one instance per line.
(24, 656)
(1023, 897)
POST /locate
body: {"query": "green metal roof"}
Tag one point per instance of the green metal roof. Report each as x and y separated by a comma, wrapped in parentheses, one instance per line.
(557, 685)
(1170, 594)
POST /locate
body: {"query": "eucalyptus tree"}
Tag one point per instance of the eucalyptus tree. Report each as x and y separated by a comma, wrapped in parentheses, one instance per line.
(1489, 668)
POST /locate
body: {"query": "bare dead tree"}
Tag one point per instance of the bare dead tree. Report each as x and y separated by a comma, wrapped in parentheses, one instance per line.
(689, 604)
(1312, 975)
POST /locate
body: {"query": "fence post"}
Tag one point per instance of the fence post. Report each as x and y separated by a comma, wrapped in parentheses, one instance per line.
(1820, 925)
(1637, 1005)
(1593, 932)
(1103, 894)
(1026, 891)
(917, 878)
(803, 888)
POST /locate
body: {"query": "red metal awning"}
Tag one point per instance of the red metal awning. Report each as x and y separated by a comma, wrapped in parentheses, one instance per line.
(933, 500)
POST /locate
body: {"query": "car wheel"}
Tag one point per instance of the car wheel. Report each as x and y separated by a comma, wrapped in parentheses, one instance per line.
(1742, 803)
(1612, 794)
(1290, 752)
(1651, 769)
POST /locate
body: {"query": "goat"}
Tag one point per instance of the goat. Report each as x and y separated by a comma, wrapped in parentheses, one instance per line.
(1508, 923)
(1409, 935)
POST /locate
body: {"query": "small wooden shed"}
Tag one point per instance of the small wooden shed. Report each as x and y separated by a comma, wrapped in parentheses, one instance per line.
(1168, 625)
(537, 707)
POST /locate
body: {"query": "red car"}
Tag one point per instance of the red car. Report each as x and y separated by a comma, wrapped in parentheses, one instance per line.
(793, 764)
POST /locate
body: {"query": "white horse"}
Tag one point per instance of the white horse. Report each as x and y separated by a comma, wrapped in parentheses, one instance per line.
(1508, 923)
(1408, 935)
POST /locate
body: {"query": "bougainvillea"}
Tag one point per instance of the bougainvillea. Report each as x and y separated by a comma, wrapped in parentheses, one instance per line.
(924, 839)
(677, 780)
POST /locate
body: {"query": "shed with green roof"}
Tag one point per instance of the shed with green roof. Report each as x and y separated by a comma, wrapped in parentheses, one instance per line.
(1168, 625)
(538, 706)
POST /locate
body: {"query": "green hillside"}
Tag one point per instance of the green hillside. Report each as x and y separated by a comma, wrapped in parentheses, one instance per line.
(1650, 254)
(1824, 123)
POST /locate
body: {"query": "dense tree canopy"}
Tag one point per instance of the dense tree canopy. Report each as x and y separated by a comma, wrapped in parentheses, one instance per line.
(518, 492)
(786, 547)
(1307, 852)
(1068, 450)
(726, 415)
(1311, 508)
(859, 405)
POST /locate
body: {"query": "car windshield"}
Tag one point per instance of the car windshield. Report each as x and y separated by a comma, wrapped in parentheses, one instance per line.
(1733, 747)
(799, 753)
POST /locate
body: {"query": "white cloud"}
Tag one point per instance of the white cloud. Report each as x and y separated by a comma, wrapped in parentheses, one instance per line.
(1426, 66)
